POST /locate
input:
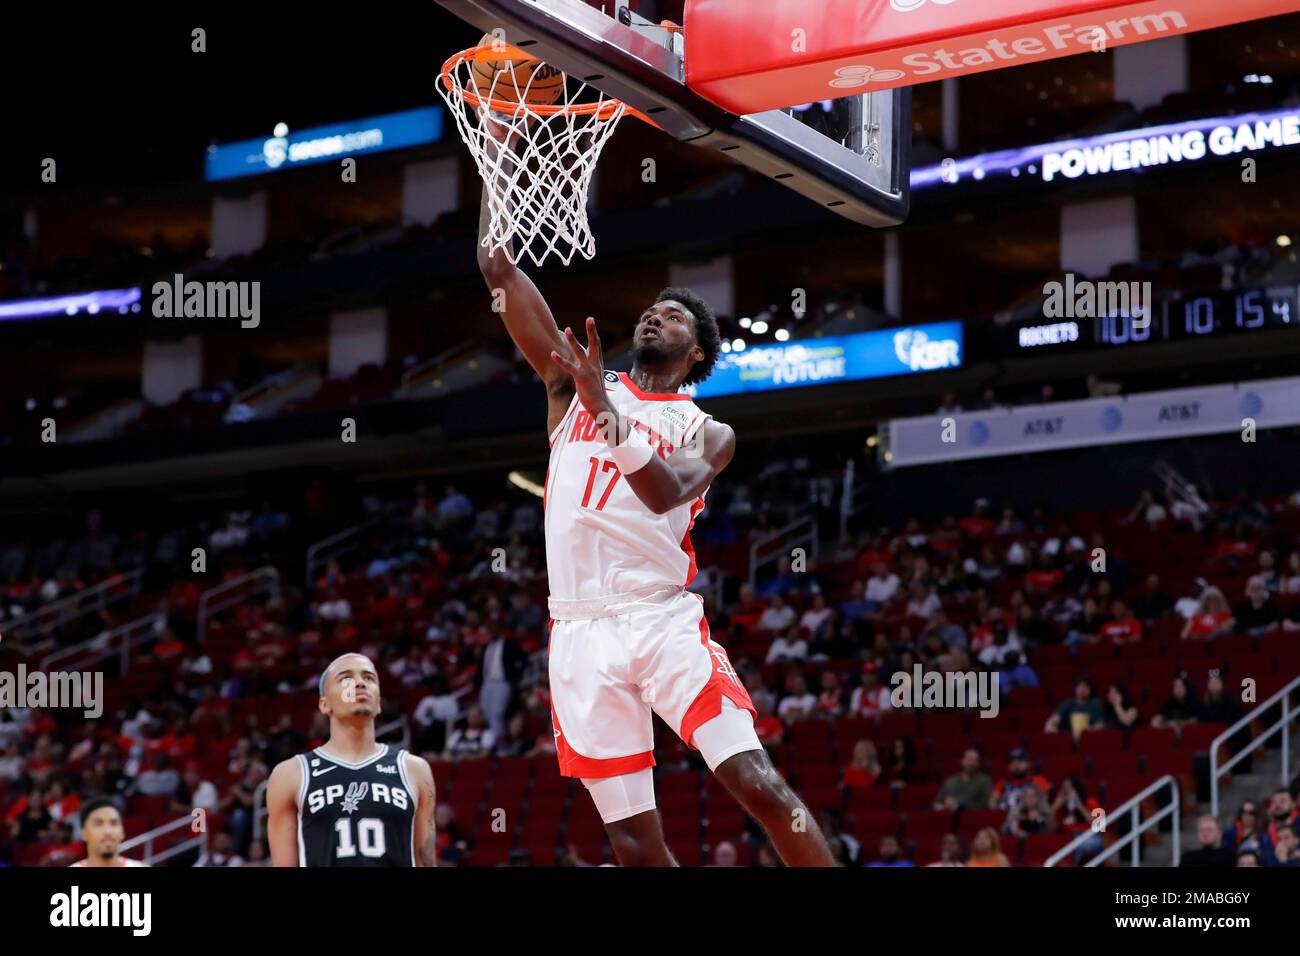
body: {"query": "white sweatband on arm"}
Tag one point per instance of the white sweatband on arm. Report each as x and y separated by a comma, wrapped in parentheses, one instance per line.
(633, 453)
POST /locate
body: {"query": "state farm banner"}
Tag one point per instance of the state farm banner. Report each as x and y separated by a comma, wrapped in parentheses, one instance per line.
(749, 56)
(1153, 416)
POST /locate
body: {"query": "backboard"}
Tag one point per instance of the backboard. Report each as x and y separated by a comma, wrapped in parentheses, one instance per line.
(852, 155)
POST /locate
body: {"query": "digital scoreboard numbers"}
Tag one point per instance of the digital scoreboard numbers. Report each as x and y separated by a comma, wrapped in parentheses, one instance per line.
(1177, 319)
(1229, 313)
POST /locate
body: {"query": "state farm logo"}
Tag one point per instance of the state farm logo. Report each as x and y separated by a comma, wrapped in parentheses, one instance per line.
(907, 6)
(847, 77)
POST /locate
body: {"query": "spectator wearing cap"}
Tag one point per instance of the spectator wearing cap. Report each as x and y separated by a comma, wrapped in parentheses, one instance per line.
(1180, 707)
(1258, 613)
(1007, 791)
(1212, 850)
(870, 698)
(969, 787)
(1081, 712)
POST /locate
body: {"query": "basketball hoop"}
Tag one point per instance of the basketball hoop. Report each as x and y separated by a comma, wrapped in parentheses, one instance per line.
(536, 158)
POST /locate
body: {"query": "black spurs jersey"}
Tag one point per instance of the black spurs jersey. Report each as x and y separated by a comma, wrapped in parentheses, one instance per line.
(360, 814)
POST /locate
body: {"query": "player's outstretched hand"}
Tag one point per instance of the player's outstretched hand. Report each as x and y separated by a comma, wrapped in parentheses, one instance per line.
(587, 369)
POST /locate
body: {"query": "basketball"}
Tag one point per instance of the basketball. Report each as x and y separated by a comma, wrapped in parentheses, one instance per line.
(534, 82)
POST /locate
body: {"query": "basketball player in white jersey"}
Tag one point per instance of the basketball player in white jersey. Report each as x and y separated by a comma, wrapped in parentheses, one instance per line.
(631, 460)
(354, 801)
(103, 833)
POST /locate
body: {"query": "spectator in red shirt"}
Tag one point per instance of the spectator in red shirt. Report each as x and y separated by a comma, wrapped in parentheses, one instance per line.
(830, 702)
(1123, 627)
(979, 525)
(864, 767)
(1045, 577)
(1008, 790)
(1211, 619)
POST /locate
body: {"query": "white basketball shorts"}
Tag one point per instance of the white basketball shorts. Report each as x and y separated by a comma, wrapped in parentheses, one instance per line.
(613, 663)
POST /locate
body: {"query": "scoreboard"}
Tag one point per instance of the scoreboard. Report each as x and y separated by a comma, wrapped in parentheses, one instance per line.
(1179, 318)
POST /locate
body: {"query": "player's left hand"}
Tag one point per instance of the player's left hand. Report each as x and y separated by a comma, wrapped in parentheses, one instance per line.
(587, 369)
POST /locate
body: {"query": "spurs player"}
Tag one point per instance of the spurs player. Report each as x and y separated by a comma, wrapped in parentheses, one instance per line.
(631, 460)
(375, 807)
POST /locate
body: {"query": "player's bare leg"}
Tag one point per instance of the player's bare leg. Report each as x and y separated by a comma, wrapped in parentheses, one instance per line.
(639, 841)
(750, 777)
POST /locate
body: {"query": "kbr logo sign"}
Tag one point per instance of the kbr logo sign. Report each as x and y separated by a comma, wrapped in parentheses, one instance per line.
(915, 350)
(907, 6)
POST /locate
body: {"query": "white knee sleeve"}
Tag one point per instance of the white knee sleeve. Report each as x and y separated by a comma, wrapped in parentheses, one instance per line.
(626, 795)
(726, 735)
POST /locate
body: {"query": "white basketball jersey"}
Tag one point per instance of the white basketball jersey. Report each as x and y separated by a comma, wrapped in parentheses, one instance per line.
(600, 539)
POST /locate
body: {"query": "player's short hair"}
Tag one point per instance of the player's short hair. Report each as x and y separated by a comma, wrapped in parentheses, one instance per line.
(707, 335)
(98, 803)
(320, 684)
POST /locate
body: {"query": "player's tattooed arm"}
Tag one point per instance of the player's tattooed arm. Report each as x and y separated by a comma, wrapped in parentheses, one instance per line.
(426, 831)
(282, 812)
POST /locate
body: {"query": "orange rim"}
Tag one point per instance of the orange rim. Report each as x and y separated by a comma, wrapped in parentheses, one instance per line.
(604, 109)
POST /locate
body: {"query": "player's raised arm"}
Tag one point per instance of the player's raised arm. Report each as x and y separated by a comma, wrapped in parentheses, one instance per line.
(282, 807)
(426, 832)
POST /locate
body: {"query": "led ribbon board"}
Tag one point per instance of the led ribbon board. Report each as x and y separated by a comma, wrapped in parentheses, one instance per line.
(1126, 151)
(753, 55)
(285, 149)
(843, 358)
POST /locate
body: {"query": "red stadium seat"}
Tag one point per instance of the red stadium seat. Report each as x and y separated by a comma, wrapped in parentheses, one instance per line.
(916, 796)
(922, 822)
(970, 821)
(1036, 848)
(870, 798)
(1104, 741)
(1197, 737)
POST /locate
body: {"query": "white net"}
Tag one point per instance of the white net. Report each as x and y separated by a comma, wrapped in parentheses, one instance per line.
(537, 159)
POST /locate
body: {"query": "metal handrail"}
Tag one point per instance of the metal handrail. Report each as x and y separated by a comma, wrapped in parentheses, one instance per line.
(217, 599)
(25, 624)
(1283, 724)
(199, 840)
(314, 559)
(787, 537)
(101, 647)
(1136, 827)
(442, 358)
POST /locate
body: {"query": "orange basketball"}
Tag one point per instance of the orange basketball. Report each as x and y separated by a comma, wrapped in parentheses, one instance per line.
(533, 81)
